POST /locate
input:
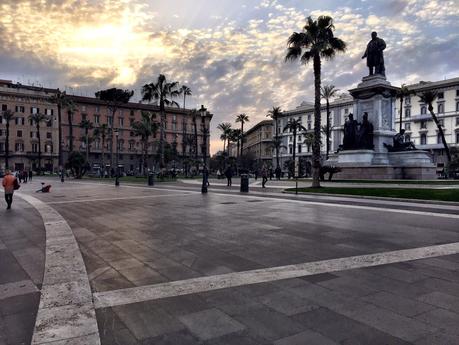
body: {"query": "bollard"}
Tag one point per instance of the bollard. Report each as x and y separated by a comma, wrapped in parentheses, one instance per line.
(151, 178)
(244, 183)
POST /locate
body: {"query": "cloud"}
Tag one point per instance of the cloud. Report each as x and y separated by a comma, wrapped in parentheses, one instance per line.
(233, 65)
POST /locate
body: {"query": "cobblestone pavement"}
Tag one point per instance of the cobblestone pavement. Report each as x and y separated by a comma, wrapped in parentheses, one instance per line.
(22, 261)
(154, 248)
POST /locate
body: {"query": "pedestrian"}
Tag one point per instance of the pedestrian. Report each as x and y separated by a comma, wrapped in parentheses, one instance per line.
(19, 176)
(271, 174)
(264, 176)
(256, 174)
(10, 184)
(229, 176)
(25, 175)
(278, 173)
(30, 175)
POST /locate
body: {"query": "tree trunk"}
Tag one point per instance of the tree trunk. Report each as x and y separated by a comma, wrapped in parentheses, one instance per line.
(277, 144)
(316, 144)
(59, 120)
(401, 111)
(7, 144)
(184, 96)
(111, 139)
(103, 156)
(196, 152)
(440, 130)
(294, 151)
(162, 134)
(39, 148)
(328, 129)
(242, 137)
(87, 145)
(70, 131)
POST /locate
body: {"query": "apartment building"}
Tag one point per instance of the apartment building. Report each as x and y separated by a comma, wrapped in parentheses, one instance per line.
(180, 131)
(258, 142)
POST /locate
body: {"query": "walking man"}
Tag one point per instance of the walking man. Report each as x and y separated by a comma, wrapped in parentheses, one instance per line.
(9, 182)
(229, 175)
(264, 176)
(30, 175)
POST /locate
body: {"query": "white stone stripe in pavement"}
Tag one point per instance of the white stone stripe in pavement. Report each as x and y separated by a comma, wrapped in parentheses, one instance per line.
(202, 284)
(66, 312)
(116, 198)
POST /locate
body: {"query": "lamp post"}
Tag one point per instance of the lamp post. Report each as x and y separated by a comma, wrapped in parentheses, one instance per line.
(205, 172)
(117, 176)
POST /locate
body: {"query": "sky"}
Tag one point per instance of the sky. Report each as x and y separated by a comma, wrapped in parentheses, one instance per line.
(229, 52)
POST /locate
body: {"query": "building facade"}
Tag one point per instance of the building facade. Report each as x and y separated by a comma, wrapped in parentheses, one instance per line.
(417, 121)
(258, 142)
(186, 136)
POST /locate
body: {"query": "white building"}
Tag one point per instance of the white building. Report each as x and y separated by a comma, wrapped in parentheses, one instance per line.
(416, 119)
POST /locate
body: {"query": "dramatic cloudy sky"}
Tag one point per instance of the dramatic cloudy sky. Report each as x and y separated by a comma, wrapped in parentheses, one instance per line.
(229, 52)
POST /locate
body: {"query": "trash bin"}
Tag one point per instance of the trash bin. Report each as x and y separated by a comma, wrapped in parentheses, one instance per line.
(244, 183)
(151, 178)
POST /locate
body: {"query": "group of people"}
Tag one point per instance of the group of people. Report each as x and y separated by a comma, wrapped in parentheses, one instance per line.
(24, 175)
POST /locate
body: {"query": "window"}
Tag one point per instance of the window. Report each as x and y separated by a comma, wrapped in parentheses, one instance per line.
(34, 110)
(441, 108)
(121, 121)
(131, 112)
(131, 134)
(457, 106)
(346, 111)
(423, 139)
(96, 119)
(441, 122)
(457, 137)
(423, 110)
(131, 146)
(1, 119)
(1, 132)
(299, 148)
(20, 109)
(19, 147)
(407, 112)
(457, 93)
(174, 126)
(439, 141)
(49, 112)
(2, 147)
(423, 124)
(83, 108)
(309, 125)
(84, 117)
(131, 121)
(97, 144)
(49, 123)
(457, 121)
(31, 134)
(49, 148)
(97, 110)
(441, 95)
(19, 134)
(4, 107)
(34, 147)
(110, 120)
(19, 120)
(407, 126)
(121, 112)
(48, 135)
(290, 149)
(408, 100)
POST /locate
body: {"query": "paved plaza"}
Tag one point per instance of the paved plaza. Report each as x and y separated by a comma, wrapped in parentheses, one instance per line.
(90, 263)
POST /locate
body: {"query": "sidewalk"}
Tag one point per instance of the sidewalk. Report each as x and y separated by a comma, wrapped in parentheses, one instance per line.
(22, 259)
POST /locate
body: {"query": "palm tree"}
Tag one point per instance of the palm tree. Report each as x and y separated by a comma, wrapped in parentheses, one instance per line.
(71, 109)
(194, 116)
(62, 101)
(86, 125)
(161, 92)
(294, 126)
(402, 93)
(242, 118)
(428, 97)
(315, 42)
(101, 132)
(145, 128)
(114, 98)
(275, 114)
(327, 92)
(8, 115)
(37, 119)
(224, 127)
(186, 91)
(235, 136)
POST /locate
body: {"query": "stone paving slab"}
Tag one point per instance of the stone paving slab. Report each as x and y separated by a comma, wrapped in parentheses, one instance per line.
(22, 261)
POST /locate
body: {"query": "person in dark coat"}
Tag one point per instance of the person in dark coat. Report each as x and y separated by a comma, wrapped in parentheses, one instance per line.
(229, 175)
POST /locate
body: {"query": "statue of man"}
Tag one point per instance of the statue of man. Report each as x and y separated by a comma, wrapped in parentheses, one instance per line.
(365, 133)
(374, 55)
(350, 132)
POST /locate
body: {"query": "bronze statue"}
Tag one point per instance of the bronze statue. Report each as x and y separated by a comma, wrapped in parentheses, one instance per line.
(365, 134)
(350, 131)
(374, 55)
(400, 144)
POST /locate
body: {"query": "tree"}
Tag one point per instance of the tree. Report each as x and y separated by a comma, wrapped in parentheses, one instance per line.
(62, 101)
(37, 119)
(225, 128)
(8, 115)
(71, 109)
(242, 118)
(275, 114)
(402, 93)
(428, 97)
(294, 126)
(87, 126)
(101, 132)
(145, 128)
(114, 99)
(235, 136)
(315, 42)
(161, 91)
(185, 91)
(77, 164)
(327, 92)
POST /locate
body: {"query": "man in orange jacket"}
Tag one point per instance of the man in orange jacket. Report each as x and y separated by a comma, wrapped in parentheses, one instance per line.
(8, 184)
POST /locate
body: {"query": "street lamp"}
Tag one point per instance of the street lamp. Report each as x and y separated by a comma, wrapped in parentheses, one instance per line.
(117, 176)
(205, 172)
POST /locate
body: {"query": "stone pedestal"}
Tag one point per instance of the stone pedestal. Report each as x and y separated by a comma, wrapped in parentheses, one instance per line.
(376, 96)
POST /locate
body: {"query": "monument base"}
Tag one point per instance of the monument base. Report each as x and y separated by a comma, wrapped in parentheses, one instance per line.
(365, 164)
